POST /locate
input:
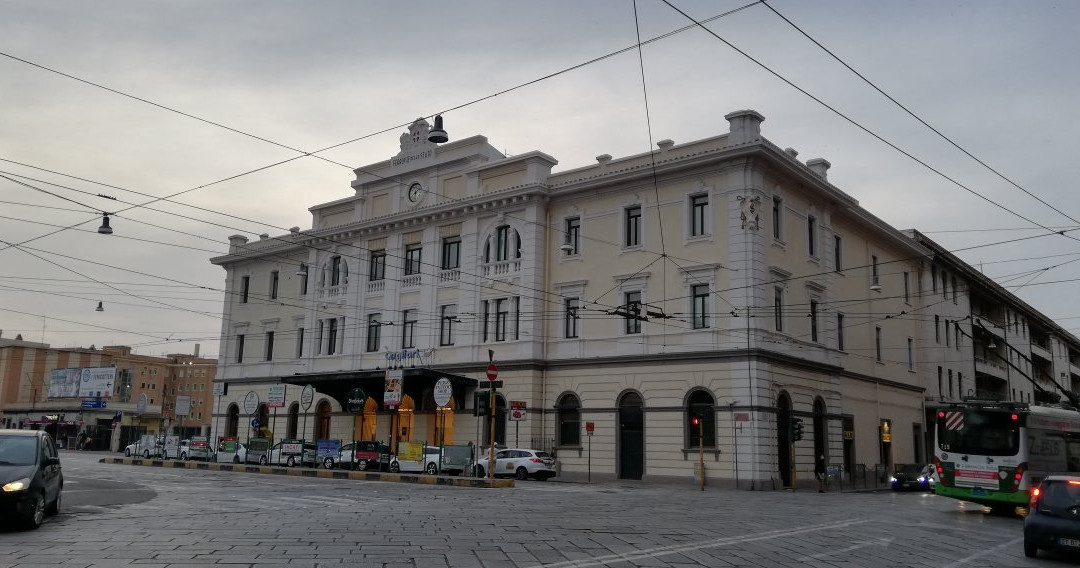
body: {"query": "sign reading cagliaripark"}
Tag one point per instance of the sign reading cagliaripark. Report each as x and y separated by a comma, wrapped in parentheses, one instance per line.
(443, 391)
(275, 398)
(306, 396)
(183, 405)
(97, 382)
(140, 406)
(251, 402)
(357, 398)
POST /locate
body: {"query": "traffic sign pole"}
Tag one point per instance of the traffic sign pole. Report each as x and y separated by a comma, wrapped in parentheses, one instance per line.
(492, 374)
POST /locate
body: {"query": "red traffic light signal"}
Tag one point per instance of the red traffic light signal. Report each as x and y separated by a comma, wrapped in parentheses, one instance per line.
(695, 421)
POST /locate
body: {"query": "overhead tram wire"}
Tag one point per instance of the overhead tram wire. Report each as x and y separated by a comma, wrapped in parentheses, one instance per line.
(858, 125)
(915, 116)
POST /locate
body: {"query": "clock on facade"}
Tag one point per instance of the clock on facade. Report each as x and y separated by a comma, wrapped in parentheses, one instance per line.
(416, 191)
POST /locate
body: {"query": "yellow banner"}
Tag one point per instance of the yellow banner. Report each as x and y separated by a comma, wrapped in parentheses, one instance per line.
(410, 451)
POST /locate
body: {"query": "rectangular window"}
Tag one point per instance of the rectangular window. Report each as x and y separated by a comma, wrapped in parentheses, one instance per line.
(319, 338)
(303, 274)
(944, 286)
(875, 276)
(374, 329)
(910, 354)
(502, 243)
(956, 328)
(273, 284)
(778, 308)
(501, 316)
(811, 236)
(269, 346)
(937, 329)
(331, 336)
(447, 319)
(960, 384)
(240, 348)
(335, 270)
(838, 256)
(699, 205)
(412, 258)
(954, 289)
(245, 284)
(632, 305)
(950, 384)
(940, 385)
(377, 265)
(947, 323)
(877, 344)
(777, 211)
(907, 288)
(700, 294)
(573, 236)
(299, 343)
(451, 253)
(408, 329)
(813, 320)
(840, 332)
(933, 278)
(487, 318)
(633, 226)
(570, 326)
(517, 318)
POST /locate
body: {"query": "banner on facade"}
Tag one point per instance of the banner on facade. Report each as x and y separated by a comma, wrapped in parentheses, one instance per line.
(392, 392)
(64, 383)
(518, 410)
(97, 382)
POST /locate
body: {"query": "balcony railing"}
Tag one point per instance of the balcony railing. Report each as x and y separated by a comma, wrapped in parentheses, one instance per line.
(376, 286)
(502, 268)
(411, 281)
(334, 291)
(449, 275)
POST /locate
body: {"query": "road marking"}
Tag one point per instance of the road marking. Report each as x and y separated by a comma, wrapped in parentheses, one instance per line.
(967, 559)
(856, 546)
(678, 548)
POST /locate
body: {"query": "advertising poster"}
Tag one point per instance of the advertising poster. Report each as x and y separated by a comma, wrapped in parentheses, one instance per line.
(517, 410)
(183, 405)
(392, 392)
(410, 451)
(292, 447)
(327, 448)
(97, 382)
(275, 398)
(64, 383)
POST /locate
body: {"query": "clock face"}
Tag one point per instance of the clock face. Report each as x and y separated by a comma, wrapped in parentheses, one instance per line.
(416, 191)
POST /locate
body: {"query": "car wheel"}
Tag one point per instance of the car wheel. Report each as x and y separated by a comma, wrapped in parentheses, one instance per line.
(54, 507)
(183, 457)
(432, 468)
(480, 471)
(262, 460)
(291, 462)
(1030, 550)
(127, 452)
(395, 468)
(361, 465)
(146, 454)
(37, 512)
(328, 463)
(522, 473)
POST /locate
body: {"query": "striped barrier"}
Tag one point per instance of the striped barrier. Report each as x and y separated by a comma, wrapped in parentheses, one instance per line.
(319, 473)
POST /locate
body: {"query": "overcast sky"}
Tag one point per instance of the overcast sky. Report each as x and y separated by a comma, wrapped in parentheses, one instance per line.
(999, 78)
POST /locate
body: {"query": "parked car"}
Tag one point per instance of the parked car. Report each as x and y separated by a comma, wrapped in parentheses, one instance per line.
(519, 463)
(145, 450)
(31, 480)
(175, 453)
(196, 449)
(274, 456)
(429, 464)
(1053, 519)
(369, 456)
(917, 477)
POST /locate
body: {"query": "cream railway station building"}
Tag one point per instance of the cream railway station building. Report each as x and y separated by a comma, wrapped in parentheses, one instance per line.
(722, 278)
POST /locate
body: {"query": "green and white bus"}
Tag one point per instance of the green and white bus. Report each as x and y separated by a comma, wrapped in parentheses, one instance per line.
(993, 453)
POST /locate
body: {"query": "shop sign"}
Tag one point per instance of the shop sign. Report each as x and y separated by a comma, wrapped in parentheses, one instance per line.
(292, 447)
(517, 410)
(443, 392)
(356, 401)
(392, 392)
(97, 382)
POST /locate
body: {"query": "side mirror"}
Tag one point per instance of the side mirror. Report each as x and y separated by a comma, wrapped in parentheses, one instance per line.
(52, 461)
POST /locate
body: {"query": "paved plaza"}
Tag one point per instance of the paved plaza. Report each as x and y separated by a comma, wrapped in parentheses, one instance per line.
(118, 515)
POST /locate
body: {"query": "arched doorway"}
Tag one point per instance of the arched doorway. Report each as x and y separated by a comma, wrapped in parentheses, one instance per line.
(821, 434)
(293, 421)
(322, 425)
(783, 437)
(631, 436)
(263, 415)
(232, 420)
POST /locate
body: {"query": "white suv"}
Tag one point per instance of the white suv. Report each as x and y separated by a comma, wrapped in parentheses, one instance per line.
(519, 463)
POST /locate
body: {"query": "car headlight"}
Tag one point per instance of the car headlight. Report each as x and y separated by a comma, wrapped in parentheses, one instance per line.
(17, 485)
(922, 479)
(892, 479)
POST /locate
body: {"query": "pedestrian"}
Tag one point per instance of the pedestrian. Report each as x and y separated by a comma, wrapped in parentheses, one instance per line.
(81, 444)
(820, 473)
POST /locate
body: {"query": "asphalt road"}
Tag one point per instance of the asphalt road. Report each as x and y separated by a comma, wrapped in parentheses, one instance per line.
(116, 515)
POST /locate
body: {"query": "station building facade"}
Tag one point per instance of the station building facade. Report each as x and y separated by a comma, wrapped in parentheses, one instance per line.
(722, 279)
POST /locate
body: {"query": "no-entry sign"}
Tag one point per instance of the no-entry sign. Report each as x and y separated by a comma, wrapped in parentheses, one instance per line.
(492, 372)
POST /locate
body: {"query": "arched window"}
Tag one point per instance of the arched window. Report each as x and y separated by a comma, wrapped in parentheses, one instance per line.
(701, 405)
(503, 244)
(232, 420)
(569, 421)
(322, 430)
(293, 421)
(335, 272)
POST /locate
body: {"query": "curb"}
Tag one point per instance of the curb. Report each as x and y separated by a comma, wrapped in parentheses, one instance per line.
(318, 473)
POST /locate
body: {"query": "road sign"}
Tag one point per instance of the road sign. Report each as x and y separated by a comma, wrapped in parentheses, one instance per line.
(356, 401)
(118, 415)
(183, 405)
(392, 390)
(92, 404)
(306, 396)
(255, 423)
(492, 372)
(517, 410)
(140, 406)
(219, 389)
(251, 402)
(443, 391)
(275, 397)
(590, 427)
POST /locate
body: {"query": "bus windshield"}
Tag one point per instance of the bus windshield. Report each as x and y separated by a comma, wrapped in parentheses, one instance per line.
(979, 432)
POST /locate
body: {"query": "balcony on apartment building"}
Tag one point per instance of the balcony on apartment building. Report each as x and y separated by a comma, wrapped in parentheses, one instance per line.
(501, 268)
(334, 292)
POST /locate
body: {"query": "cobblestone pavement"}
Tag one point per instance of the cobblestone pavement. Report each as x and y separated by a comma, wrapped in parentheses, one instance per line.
(239, 519)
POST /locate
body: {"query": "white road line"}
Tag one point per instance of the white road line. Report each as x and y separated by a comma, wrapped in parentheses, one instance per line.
(860, 544)
(967, 559)
(678, 548)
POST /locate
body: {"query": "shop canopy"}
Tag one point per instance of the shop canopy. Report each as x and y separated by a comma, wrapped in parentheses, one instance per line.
(416, 383)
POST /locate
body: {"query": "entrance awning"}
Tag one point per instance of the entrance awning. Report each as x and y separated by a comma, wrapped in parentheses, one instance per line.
(415, 382)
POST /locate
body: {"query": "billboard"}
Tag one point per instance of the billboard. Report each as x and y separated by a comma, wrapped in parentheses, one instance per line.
(392, 391)
(64, 383)
(97, 382)
(183, 405)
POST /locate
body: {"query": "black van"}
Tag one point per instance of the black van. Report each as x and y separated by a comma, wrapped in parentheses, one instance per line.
(30, 476)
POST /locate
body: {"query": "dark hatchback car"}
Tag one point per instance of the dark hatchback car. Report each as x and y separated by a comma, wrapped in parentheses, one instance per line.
(1053, 520)
(30, 477)
(915, 477)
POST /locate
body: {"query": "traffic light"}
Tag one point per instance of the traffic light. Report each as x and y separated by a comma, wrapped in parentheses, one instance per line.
(694, 420)
(796, 429)
(481, 400)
